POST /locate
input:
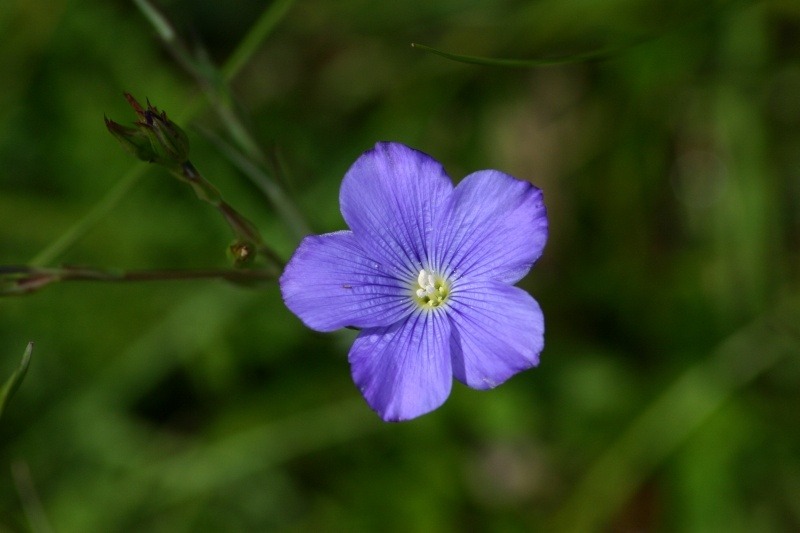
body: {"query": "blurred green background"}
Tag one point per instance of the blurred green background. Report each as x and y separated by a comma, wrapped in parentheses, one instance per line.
(668, 396)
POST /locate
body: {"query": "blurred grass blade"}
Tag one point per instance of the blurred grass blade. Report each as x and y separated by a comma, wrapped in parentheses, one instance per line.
(157, 20)
(521, 63)
(11, 386)
(271, 186)
(712, 10)
(672, 418)
(97, 213)
(29, 497)
(267, 22)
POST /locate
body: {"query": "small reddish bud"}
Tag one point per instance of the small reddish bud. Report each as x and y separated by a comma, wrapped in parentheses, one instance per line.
(154, 137)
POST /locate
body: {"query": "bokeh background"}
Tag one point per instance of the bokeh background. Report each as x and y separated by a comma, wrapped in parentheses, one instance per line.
(668, 396)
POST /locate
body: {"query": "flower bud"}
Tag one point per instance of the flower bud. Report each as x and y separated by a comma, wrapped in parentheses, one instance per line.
(242, 252)
(167, 138)
(133, 140)
(154, 138)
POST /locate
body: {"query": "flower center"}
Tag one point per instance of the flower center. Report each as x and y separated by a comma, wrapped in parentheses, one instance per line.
(431, 290)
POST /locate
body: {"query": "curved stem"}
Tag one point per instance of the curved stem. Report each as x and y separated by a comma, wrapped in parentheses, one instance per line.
(213, 83)
(19, 280)
(246, 48)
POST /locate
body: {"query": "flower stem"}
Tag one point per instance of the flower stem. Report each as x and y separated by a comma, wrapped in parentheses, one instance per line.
(245, 231)
(258, 176)
(19, 280)
(267, 22)
(246, 48)
(213, 82)
(12, 384)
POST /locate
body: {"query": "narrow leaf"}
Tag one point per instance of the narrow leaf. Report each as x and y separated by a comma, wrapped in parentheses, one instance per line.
(519, 63)
(712, 10)
(11, 386)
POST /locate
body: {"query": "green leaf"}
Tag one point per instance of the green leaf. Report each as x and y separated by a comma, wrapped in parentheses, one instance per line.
(520, 63)
(11, 386)
(712, 10)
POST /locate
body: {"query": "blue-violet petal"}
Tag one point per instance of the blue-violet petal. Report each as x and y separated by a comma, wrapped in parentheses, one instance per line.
(330, 283)
(498, 330)
(404, 370)
(496, 229)
(389, 199)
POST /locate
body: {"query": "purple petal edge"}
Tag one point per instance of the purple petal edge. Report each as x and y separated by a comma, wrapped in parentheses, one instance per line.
(497, 228)
(404, 371)
(498, 331)
(330, 283)
(389, 198)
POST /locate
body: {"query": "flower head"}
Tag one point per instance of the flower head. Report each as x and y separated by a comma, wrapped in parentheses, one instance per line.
(426, 272)
(155, 138)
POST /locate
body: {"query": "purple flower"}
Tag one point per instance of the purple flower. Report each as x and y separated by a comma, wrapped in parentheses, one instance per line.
(427, 274)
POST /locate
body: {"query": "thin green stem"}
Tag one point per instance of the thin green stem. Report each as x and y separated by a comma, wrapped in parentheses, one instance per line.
(266, 23)
(245, 231)
(29, 497)
(590, 55)
(280, 201)
(21, 280)
(244, 51)
(519, 63)
(99, 211)
(260, 178)
(213, 82)
(12, 384)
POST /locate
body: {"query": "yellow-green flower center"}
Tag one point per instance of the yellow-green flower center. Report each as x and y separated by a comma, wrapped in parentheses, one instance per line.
(430, 290)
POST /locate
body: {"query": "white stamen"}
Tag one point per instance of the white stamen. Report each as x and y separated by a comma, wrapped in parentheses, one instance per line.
(430, 290)
(426, 282)
(425, 279)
